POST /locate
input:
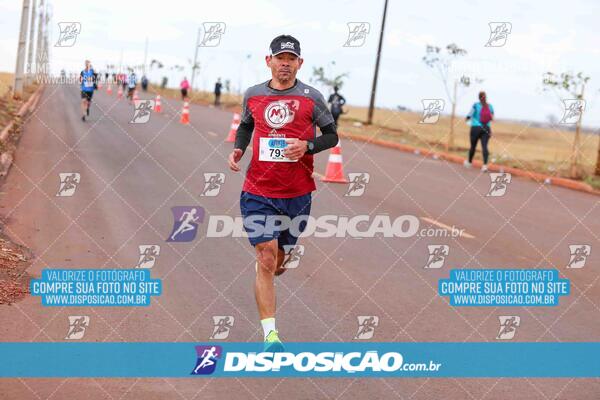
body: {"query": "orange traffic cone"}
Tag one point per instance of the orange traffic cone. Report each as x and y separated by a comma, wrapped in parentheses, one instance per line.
(234, 125)
(108, 90)
(157, 105)
(99, 85)
(120, 92)
(185, 113)
(335, 170)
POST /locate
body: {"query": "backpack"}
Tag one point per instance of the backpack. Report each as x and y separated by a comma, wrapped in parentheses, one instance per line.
(485, 115)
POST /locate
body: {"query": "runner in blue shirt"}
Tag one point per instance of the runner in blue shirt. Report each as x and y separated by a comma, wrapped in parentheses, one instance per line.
(87, 79)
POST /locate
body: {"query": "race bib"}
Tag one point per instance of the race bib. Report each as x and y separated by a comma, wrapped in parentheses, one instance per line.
(271, 149)
(88, 83)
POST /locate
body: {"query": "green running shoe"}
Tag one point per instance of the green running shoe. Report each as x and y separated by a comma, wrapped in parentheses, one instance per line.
(273, 343)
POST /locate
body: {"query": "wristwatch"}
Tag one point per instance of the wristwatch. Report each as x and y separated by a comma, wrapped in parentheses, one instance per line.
(310, 145)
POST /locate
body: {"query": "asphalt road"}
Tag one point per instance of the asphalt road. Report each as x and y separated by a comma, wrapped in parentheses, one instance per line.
(131, 176)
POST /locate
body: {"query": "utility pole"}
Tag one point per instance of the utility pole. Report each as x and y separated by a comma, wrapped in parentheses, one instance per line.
(31, 34)
(18, 84)
(145, 55)
(46, 38)
(195, 58)
(40, 33)
(374, 88)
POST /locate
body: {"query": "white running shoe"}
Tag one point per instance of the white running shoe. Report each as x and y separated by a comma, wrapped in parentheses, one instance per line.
(467, 164)
(484, 168)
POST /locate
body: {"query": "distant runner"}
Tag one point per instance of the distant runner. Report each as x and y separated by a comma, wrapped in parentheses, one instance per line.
(481, 116)
(283, 114)
(87, 79)
(337, 102)
(131, 84)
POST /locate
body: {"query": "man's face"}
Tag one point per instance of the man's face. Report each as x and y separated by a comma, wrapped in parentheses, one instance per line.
(284, 66)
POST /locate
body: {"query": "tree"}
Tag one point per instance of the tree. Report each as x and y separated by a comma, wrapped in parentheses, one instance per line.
(574, 85)
(442, 63)
(158, 64)
(331, 81)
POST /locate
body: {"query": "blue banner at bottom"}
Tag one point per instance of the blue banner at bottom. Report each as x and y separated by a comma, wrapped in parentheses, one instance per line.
(248, 360)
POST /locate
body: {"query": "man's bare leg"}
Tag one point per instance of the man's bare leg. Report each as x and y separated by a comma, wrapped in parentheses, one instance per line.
(83, 107)
(264, 289)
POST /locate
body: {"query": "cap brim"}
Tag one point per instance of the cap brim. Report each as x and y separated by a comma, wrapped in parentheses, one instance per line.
(286, 51)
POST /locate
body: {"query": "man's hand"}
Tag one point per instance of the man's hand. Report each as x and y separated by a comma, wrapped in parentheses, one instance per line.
(234, 158)
(295, 148)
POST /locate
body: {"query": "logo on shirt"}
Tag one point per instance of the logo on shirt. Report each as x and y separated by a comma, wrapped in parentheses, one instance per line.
(281, 112)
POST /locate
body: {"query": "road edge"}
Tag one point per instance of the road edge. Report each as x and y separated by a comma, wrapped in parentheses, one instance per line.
(14, 128)
(535, 176)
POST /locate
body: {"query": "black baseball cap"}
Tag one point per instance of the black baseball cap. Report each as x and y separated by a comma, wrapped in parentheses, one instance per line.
(285, 44)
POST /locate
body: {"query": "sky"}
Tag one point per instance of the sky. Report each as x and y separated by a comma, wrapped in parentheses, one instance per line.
(545, 36)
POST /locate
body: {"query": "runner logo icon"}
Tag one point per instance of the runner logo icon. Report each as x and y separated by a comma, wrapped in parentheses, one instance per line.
(207, 359)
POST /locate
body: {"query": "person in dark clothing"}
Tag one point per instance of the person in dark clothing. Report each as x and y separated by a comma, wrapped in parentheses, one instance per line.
(144, 83)
(218, 87)
(481, 116)
(336, 101)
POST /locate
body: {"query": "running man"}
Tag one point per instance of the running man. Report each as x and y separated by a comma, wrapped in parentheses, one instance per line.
(87, 79)
(131, 84)
(283, 114)
(481, 116)
(337, 102)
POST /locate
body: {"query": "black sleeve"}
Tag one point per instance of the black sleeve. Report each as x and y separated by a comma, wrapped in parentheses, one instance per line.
(342, 100)
(244, 134)
(327, 140)
(246, 127)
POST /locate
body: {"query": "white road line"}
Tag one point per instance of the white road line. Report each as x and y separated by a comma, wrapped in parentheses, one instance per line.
(212, 134)
(463, 233)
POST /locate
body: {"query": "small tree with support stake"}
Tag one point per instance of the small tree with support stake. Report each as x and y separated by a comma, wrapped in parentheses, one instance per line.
(442, 63)
(574, 85)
